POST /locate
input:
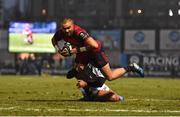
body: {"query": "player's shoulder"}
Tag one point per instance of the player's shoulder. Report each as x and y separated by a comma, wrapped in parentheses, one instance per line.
(78, 29)
(80, 32)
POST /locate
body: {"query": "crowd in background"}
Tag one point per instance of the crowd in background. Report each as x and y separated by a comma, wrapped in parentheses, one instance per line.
(30, 64)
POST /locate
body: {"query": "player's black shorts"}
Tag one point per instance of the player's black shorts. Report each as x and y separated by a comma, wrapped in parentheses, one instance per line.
(99, 59)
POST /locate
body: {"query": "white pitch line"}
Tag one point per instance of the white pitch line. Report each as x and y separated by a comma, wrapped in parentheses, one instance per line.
(151, 100)
(8, 108)
(116, 110)
(89, 110)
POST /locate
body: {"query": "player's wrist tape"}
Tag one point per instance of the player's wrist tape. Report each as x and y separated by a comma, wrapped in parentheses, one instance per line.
(82, 49)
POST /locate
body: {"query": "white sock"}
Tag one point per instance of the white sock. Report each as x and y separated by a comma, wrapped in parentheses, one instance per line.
(121, 98)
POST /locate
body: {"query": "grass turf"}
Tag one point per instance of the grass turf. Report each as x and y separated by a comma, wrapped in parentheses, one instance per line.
(41, 43)
(56, 95)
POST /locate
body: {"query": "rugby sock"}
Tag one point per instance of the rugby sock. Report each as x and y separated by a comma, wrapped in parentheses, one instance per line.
(121, 98)
(128, 68)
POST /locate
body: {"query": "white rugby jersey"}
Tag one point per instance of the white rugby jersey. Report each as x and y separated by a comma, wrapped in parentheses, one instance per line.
(93, 76)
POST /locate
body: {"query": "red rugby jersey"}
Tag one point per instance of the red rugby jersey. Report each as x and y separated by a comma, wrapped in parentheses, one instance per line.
(77, 39)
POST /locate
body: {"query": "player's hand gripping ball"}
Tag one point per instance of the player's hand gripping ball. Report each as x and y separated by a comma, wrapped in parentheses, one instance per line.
(66, 50)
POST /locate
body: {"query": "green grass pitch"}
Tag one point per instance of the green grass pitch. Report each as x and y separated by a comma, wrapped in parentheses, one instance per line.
(41, 43)
(58, 96)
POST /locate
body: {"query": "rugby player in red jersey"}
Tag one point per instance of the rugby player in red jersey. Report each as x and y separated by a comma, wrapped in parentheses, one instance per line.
(28, 32)
(88, 49)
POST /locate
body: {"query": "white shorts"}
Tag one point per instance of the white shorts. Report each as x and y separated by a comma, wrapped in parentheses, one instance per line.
(103, 88)
(91, 92)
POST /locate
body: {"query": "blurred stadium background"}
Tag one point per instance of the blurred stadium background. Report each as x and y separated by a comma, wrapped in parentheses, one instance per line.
(143, 31)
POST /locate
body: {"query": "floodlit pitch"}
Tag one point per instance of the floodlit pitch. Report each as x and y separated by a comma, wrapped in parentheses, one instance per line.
(56, 95)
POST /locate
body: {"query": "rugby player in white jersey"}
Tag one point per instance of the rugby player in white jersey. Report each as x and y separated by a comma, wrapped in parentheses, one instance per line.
(91, 83)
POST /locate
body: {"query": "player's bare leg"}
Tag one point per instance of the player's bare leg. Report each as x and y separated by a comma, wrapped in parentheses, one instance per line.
(118, 72)
(108, 96)
(112, 74)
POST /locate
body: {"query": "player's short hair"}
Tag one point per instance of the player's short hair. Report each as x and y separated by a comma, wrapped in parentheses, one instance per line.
(67, 20)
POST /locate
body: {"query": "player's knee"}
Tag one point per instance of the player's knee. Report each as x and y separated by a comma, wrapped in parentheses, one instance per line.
(109, 77)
